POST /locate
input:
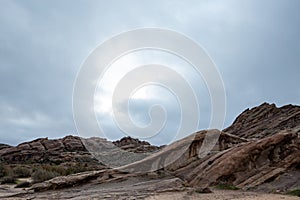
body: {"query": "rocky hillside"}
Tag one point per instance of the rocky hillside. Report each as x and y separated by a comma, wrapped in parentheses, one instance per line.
(67, 149)
(265, 120)
(268, 165)
(259, 152)
(250, 165)
(2, 146)
(43, 150)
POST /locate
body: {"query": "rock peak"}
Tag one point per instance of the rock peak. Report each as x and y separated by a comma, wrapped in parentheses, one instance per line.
(264, 120)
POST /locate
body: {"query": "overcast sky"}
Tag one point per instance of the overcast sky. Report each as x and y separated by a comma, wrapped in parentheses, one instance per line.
(255, 45)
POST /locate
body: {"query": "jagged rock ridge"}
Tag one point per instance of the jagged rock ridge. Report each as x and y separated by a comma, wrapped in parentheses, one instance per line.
(135, 145)
(44, 150)
(67, 149)
(265, 120)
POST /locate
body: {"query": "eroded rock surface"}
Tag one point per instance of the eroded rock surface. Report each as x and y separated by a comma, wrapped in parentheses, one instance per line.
(44, 150)
(251, 164)
(67, 149)
(135, 145)
(260, 151)
(265, 120)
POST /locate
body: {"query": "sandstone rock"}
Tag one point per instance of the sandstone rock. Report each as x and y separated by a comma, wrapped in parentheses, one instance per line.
(248, 165)
(265, 120)
(53, 145)
(72, 149)
(73, 143)
(66, 181)
(43, 150)
(261, 151)
(135, 145)
(240, 163)
(3, 146)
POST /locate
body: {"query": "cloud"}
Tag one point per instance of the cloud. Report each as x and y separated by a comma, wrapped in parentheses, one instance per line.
(43, 44)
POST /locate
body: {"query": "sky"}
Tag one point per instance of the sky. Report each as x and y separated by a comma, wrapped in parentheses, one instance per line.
(255, 45)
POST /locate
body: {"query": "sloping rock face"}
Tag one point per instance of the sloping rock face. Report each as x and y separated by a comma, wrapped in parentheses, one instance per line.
(251, 164)
(124, 187)
(268, 164)
(261, 151)
(147, 167)
(182, 152)
(265, 120)
(246, 164)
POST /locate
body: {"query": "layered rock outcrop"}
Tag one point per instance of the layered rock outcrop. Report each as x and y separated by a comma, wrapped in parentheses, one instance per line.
(44, 150)
(260, 151)
(135, 145)
(268, 164)
(265, 120)
(67, 149)
(251, 164)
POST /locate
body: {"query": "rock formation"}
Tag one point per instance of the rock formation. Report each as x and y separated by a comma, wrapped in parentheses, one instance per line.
(43, 150)
(135, 145)
(255, 165)
(260, 151)
(250, 165)
(67, 149)
(265, 120)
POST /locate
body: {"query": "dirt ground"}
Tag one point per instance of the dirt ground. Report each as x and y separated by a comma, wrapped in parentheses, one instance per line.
(179, 195)
(136, 188)
(221, 195)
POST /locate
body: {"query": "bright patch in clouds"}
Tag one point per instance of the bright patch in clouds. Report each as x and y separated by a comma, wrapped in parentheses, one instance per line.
(144, 97)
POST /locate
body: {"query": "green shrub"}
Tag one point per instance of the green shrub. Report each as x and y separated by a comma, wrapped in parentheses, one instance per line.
(41, 175)
(294, 192)
(224, 186)
(55, 168)
(21, 172)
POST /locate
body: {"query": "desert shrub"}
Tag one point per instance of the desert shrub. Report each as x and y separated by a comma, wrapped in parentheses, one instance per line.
(21, 172)
(65, 170)
(294, 192)
(7, 171)
(55, 168)
(224, 186)
(8, 179)
(2, 170)
(41, 175)
(75, 169)
(45, 172)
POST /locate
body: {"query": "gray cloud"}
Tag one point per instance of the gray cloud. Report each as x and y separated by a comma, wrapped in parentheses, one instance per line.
(255, 44)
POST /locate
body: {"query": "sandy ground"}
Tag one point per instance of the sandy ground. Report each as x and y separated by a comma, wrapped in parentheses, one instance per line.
(216, 195)
(221, 195)
(135, 188)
